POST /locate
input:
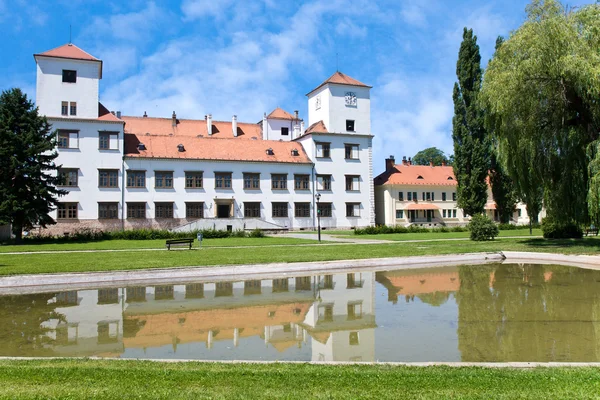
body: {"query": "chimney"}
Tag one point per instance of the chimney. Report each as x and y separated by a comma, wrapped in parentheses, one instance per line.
(389, 163)
(234, 125)
(409, 161)
(296, 114)
(209, 124)
(174, 120)
(265, 127)
(431, 163)
(145, 115)
(444, 164)
(404, 162)
(119, 114)
(302, 128)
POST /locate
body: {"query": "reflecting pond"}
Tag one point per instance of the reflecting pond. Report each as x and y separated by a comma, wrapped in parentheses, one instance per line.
(495, 312)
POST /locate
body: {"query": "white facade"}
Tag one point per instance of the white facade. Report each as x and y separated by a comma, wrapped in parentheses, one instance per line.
(95, 145)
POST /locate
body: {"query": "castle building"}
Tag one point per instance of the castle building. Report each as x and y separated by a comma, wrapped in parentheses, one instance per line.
(141, 171)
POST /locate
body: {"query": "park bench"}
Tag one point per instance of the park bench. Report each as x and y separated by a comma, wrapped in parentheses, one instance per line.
(179, 242)
(591, 231)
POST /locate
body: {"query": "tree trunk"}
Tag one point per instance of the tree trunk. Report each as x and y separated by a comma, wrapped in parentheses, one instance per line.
(18, 232)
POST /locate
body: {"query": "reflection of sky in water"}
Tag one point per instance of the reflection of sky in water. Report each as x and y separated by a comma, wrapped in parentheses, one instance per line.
(478, 313)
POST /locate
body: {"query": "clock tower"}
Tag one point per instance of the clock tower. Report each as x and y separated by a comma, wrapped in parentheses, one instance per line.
(342, 104)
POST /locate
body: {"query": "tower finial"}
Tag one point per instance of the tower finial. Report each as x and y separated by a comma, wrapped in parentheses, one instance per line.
(70, 34)
(337, 68)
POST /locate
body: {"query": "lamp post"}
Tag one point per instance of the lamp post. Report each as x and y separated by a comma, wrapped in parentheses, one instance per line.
(318, 197)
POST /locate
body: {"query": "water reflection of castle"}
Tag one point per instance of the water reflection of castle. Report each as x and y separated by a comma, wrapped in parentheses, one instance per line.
(336, 311)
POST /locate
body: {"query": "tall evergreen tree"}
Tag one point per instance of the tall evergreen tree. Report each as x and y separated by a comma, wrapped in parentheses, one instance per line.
(28, 175)
(471, 146)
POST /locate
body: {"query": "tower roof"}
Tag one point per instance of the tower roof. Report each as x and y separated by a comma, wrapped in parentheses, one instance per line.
(68, 50)
(280, 113)
(340, 78)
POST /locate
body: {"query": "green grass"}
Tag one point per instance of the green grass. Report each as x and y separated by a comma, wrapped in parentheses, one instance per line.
(79, 379)
(11, 264)
(441, 235)
(149, 244)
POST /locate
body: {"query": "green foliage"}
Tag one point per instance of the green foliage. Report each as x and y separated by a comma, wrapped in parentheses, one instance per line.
(256, 233)
(554, 229)
(502, 190)
(593, 198)
(385, 229)
(471, 148)
(541, 97)
(424, 157)
(482, 228)
(28, 175)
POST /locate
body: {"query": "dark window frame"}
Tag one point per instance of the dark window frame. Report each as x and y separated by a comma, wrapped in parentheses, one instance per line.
(164, 210)
(251, 180)
(350, 179)
(325, 210)
(301, 182)
(134, 177)
(279, 209)
(350, 125)
(111, 180)
(108, 210)
(69, 76)
(104, 139)
(194, 209)
(163, 179)
(286, 130)
(278, 181)
(252, 209)
(65, 180)
(326, 179)
(223, 180)
(67, 210)
(350, 210)
(194, 179)
(302, 210)
(325, 149)
(136, 209)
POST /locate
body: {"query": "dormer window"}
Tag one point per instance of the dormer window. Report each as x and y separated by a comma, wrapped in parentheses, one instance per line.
(270, 151)
(419, 177)
(450, 178)
(141, 146)
(69, 76)
(295, 153)
(180, 148)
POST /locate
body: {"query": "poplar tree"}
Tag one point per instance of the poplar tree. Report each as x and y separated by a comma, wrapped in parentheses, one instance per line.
(28, 175)
(471, 145)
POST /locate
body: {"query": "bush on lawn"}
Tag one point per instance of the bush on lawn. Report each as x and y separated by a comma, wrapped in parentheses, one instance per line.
(256, 233)
(560, 230)
(482, 228)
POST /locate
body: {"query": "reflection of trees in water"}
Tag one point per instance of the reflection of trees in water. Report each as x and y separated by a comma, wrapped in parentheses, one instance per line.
(21, 331)
(516, 315)
(435, 299)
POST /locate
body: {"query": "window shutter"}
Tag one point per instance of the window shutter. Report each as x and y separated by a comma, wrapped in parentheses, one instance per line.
(74, 140)
(114, 142)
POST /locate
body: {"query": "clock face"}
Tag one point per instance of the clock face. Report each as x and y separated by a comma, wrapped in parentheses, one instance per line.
(318, 103)
(350, 99)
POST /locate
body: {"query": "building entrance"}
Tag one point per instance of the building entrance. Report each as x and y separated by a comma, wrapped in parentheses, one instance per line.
(223, 211)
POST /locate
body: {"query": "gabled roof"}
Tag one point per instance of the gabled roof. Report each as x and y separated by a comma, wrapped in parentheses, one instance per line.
(68, 50)
(105, 115)
(190, 127)
(317, 127)
(340, 78)
(417, 175)
(280, 113)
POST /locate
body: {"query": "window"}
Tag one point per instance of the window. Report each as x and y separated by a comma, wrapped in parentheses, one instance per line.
(252, 287)
(323, 150)
(68, 176)
(136, 179)
(285, 131)
(164, 292)
(68, 139)
(67, 211)
(428, 196)
(69, 76)
(453, 213)
(73, 108)
(163, 179)
(519, 213)
(327, 282)
(352, 183)
(280, 285)
(223, 180)
(409, 196)
(324, 182)
(194, 210)
(354, 310)
(108, 141)
(193, 179)
(354, 281)
(108, 178)
(64, 108)
(399, 214)
(401, 196)
(352, 209)
(415, 196)
(325, 313)
(223, 289)
(194, 291)
(280, 210)
(301, 210)
(350, 125)
(163, 210)
(279, 181)
(454, 196)
(444, 213)
(252, 210)
(324, 210)
(108, 210)
(108, 296)
(301, 182)
(353, 339)
(443, 196)
(251, 180)
(136, 210)
(351, 151)
(424, 195)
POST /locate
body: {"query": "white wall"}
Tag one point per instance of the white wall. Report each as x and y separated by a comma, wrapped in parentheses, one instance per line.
(334, 112)
(274, 129)
(51, 91)
(322, 113)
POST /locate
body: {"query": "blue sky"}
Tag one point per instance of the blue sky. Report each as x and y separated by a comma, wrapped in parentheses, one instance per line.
(247, 57)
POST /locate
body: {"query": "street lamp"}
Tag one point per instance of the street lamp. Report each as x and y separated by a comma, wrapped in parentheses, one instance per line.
(318, 197)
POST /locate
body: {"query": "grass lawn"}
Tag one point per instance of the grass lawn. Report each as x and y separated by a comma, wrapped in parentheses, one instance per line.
(78, 379)
(149, 244)
(442, 235)
(11, 264)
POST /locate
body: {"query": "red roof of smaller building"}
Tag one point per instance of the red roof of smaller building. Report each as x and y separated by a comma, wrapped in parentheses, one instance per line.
(340, 78)
(317, 127)
(417, 175)
(68, 50)
(280, 113)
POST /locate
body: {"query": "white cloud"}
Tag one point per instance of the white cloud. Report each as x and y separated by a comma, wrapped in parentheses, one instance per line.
(196, 9)
(413, 14)
(347, 28)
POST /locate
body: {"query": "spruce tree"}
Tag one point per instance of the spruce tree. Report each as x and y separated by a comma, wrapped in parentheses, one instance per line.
(28, 175)
(471, 145)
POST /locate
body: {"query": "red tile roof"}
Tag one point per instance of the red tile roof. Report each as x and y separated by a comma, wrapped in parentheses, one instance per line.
(341, 79)
(280, 113)
(213, 148)
(417, 175)
(68, 50)
(105, 115)
(317, 127)
(421, 206)
(189, 127)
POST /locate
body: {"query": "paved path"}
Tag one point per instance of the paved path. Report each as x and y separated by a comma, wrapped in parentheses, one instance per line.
(329, 238)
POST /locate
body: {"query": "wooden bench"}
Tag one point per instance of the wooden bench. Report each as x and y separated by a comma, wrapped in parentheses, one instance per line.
(591, 231)
(179, 242)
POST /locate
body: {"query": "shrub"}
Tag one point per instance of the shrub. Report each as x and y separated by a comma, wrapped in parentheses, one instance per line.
(482, 228)
(560, 230)
(256, 233)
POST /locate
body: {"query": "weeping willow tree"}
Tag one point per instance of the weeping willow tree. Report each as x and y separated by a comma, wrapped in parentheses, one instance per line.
(541, 92)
